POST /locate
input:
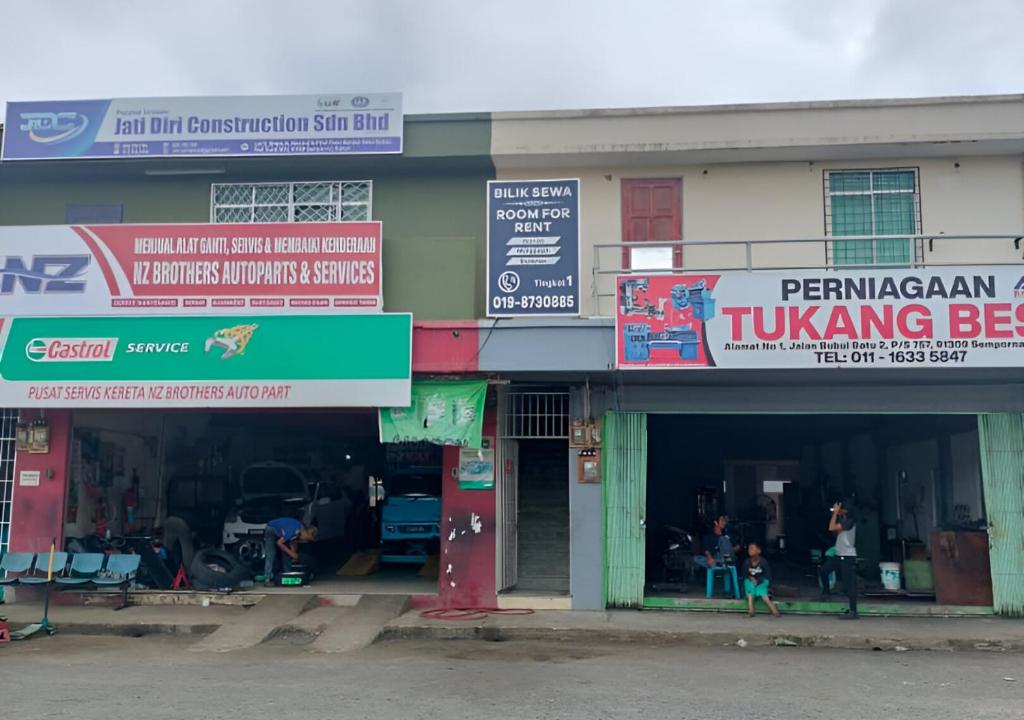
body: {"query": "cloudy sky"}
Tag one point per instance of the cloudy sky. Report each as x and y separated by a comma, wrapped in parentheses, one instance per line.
(454, 55)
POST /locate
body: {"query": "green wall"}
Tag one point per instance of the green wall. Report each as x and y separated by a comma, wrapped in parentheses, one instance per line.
(431, 201)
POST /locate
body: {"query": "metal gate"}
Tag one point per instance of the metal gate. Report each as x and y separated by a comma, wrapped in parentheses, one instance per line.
(8, 431)
(625, 507)
(1002, 473)
(523, 413)
(508, 514)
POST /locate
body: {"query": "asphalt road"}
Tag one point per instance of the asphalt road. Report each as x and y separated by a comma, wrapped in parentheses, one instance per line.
(156, 678)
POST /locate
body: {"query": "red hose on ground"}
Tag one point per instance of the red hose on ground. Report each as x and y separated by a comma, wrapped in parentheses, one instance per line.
(470, 613)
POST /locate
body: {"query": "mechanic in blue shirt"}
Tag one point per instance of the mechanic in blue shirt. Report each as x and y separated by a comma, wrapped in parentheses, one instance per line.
(283, 534)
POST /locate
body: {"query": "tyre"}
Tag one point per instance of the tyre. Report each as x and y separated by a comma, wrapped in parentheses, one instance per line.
(178, 541)
(217, 569)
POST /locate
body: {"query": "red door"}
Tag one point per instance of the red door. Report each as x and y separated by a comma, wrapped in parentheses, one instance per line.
(652, 210)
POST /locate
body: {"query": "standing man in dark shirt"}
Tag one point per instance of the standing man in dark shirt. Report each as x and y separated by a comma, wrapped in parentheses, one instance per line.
(845, 560)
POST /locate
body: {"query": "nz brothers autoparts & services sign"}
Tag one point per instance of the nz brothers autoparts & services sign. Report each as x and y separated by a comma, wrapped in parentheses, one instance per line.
(175, 269)
(944, 317)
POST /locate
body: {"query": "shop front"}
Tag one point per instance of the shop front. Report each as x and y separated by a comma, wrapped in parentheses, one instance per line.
(195, 431)
(768, 398)
(182, 386)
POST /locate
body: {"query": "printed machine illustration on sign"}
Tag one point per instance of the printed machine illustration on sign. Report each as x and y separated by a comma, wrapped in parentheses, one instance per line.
(638, 338)
(233, 340)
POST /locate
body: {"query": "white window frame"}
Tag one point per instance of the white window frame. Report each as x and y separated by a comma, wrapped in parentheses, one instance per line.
(291, 198)
(916, 248)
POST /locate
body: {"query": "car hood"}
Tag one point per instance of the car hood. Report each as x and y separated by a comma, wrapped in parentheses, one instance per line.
(263, 509)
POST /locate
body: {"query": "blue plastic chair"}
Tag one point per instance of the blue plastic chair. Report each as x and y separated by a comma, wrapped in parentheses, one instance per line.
(728, 573)
(60, 559)
(16, 562)
(121, 571)
(84, 569)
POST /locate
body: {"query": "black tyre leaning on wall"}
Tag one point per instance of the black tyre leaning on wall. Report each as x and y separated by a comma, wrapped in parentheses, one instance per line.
(217, 569)
(178, 541)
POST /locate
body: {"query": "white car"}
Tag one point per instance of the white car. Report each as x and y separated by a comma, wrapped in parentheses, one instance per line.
(271, 490)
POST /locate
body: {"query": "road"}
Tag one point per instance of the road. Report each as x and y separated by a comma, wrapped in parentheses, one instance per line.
(157, 678)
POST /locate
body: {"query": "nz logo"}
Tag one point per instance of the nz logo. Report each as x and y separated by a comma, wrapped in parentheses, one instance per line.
(44, 274)
(53, 128)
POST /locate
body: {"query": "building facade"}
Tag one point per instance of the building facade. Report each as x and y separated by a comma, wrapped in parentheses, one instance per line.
(738, 195)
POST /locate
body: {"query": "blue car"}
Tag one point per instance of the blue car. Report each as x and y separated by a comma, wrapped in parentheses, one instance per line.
(410, 528)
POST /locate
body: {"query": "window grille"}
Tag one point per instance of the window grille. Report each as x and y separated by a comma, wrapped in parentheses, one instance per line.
(536, 414)
(882, 203)
(291, 202)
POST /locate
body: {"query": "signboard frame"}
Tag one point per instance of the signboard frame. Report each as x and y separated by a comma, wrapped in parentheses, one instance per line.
(967, 317)
(205, 361)
(491, 311)
(96, 251)
(203, 127)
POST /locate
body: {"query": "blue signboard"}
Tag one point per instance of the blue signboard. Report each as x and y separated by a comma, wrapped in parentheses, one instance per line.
(533, 247)
(204, 127)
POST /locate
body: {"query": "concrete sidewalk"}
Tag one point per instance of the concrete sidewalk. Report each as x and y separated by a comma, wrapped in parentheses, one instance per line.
(133, 621)
(704, 629)
(297, 619)
(332, 629)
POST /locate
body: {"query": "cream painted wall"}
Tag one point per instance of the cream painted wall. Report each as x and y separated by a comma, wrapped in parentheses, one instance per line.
(784, 200)
(865, 123)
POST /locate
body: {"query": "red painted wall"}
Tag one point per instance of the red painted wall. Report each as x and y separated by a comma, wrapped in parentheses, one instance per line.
(445, 346)
(37, 513)
(470, 582)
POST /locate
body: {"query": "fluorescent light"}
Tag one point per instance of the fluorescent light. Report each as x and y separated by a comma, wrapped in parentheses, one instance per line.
(165, 172)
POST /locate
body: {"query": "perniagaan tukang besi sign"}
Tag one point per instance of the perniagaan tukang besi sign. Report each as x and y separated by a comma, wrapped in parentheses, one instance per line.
(926, 317)
(207, 361)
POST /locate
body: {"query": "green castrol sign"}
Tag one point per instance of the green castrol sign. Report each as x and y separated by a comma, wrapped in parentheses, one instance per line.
(207, 361)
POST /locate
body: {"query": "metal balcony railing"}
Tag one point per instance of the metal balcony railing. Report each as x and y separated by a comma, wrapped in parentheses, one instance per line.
(848, 252)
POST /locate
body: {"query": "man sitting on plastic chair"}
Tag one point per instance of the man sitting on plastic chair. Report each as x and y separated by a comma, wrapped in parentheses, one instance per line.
(719, 554)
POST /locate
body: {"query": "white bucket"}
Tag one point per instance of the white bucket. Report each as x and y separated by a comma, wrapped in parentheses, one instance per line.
(890, 575)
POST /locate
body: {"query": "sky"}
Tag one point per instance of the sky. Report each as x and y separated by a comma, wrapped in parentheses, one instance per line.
(492, 55)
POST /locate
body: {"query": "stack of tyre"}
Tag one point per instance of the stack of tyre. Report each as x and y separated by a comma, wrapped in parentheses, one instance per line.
(209, 569)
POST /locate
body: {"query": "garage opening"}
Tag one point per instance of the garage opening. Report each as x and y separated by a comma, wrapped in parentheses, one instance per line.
(195, 491)
(912, 483)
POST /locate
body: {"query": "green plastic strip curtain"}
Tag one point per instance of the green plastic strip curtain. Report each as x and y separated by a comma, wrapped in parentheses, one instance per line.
(624, 461)
(1002, 471)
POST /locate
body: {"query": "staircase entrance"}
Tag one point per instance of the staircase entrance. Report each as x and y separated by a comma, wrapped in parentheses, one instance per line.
(543, 548)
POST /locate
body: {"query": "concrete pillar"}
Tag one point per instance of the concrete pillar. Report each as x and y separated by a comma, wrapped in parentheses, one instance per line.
(37, 511)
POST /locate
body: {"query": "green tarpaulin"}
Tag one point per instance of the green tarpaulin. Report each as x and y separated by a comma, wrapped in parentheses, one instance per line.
(443, 413)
